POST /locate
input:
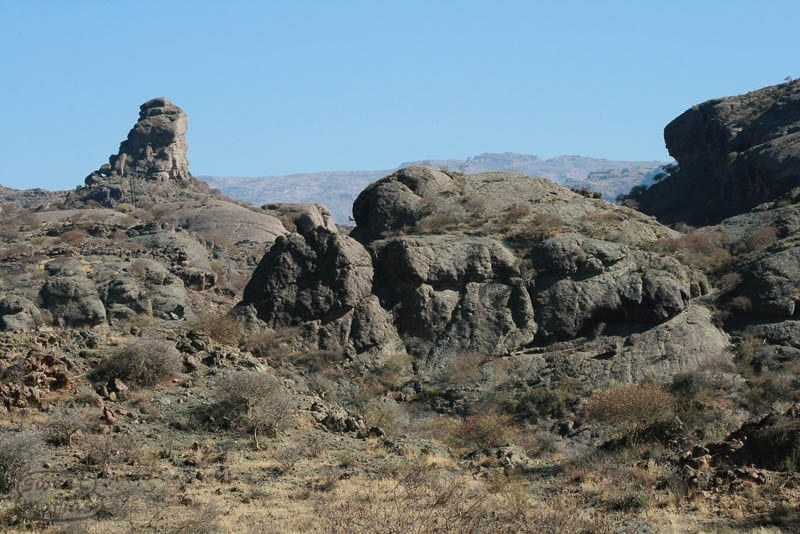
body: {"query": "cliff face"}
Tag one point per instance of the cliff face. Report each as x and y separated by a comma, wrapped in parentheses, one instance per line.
(733, 153)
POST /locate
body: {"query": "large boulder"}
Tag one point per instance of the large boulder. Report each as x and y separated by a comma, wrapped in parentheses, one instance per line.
(228, 224)
(142, 286)
(584, 283)
(454, 294)
(396, 202)
(70, 296)
(18, 313)
(733, 154)
(320, 275)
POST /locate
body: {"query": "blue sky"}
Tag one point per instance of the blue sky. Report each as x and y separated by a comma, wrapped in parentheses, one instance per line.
(276, 87)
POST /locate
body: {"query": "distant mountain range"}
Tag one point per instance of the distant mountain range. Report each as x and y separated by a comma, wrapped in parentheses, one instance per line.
(338, 189)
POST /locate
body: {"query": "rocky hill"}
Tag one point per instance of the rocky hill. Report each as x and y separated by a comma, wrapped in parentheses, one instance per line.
(733, 154)
(338, 190)
(483, 352)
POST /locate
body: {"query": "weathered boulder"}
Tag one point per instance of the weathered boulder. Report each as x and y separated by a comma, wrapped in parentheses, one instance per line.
(302, 218)
(454, 294)
(228, 224)
(772, 284)
(70, 296)
(317, 276)
(396, 201)
(688, 341)
(142, 287)
(582, 283)
(18, 313)
(733, 154)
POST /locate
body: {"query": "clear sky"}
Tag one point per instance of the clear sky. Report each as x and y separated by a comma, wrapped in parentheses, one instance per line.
(275, 87)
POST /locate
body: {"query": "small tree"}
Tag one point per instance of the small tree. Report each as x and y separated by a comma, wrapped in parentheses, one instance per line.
(253, 401)
(19, 453)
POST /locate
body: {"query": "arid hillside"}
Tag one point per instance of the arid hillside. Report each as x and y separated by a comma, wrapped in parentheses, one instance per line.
(485, 352)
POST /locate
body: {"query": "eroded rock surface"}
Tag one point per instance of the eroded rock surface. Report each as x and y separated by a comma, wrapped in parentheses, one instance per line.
(492, 263)
(70, 296)
(151, 164)
(733, 154)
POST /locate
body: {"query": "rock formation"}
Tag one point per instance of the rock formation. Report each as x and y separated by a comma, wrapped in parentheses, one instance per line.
(733, 154)
(492, 263)
(151, 163)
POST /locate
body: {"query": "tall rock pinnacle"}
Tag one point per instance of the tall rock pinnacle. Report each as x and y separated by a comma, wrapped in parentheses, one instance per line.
(151, 163)
(155, 148)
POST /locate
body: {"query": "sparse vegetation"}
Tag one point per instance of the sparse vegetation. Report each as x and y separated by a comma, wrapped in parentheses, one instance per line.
(144, 362)
(705, 250)
(254, 402)
(74, 237)
(630, 409)
(20, 453)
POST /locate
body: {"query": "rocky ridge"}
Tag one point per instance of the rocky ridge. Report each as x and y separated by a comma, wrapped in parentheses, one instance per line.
(733, 154)
(141, 239)
(494, 263)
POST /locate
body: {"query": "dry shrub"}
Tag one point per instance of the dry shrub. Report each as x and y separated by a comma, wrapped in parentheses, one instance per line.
(631, 408)
(20, 453)
(419, 502)
(272, 342)
(490, 429)
(464, 369)
(761, 239)
(152, 506)
(138, 268)
(65, 422)
(221, 327)
(541, 226)
(396, 370)
(386, 413)
(476, 204)
(160, 213)
(517, 212)
(74, 237)
(706, 250)
(440, 221)
(13, 217)
(252, 401)
(145, 362)
(426, 500)
(125, 207)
